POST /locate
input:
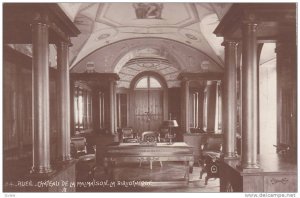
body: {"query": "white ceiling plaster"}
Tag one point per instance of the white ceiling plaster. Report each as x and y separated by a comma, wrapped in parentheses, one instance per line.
(113, 57)
(107, 23)
(207, 26)
(113, 38)
(70, 9)
(114, 33)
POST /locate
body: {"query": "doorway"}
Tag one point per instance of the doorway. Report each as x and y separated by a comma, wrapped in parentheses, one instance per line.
(148, 108)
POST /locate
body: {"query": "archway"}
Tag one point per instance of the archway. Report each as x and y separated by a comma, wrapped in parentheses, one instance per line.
(148, 101)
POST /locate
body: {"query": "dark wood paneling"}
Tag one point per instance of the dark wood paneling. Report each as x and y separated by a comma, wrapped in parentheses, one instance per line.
(17, 103)
(145, 103)
(195, 140)
(287, 94)
(253, 183)
(141, 122)
(278, 173)
(10, 108)
(211, 107)
(123, 109)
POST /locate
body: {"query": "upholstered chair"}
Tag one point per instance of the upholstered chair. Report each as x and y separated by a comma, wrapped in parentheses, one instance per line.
(86, 165)
(150, 136)
(211, 152)
(128, 135)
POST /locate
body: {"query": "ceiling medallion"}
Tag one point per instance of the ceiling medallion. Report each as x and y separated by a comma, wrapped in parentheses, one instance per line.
(103, 36)
(190, 36)
(152, 64)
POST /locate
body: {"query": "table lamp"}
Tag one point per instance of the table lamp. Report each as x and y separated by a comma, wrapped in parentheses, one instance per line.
(170, 124)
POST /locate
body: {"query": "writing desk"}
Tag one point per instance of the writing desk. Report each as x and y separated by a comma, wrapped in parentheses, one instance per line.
(135, 152)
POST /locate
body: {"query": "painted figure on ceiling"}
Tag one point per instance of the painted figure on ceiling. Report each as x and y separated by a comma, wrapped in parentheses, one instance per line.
(148, 10)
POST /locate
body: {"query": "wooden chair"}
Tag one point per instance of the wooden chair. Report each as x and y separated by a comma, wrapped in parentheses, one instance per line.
(150, 137)
(128, 135)
(86, 165)
(78, 147)
(210, 155)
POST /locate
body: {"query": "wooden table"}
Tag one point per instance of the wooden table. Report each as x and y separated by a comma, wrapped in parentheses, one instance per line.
(135, 152)
(277, 173)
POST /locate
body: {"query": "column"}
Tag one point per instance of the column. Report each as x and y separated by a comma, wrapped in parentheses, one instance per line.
(112, 105)
(103, 110)
(64, 98)
(249, 97)
(115, 105)
(229, 103)
(119, 110)
(41, 116)
(197, 109)
(186, 93)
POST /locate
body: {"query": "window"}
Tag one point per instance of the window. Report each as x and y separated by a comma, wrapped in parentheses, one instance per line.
(194, 109)
(101, 109)
(142, 83)
(82, 109)
(148, 82)
(268, 102)
(212, 107)
(218, 119)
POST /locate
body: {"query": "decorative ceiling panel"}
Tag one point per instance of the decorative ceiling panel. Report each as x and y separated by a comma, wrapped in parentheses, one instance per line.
(130, 71)
(136, 66)
(147, 14)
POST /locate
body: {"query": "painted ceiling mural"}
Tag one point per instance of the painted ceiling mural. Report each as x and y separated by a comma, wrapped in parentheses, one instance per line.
(129, 38)
(148, 10)
(104, 23)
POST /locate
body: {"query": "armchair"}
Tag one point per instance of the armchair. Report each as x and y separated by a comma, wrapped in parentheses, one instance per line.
(150, 136)
(86, 165)
(210, 154)
(78, 147)
(128, 135)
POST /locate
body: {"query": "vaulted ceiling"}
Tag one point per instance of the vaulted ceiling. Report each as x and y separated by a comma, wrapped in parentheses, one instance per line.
(104, 23)
(174, 35)
(129, 38)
